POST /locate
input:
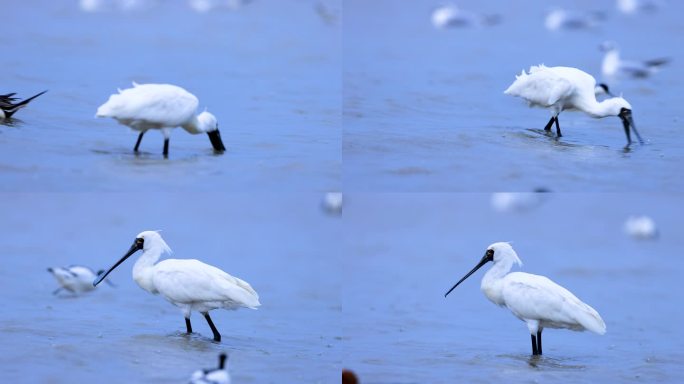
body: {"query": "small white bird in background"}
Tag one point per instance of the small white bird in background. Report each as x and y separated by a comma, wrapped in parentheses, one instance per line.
(534, 299)
(189, 284)
(332, 203)
(75, 278)
(219, 375)
(204, 6)
(641, 227)
(9, 105)
(518, 201)
(96, 6)
(451, 16)
(564, 88)
(631, 7)
(614, 67)
(162, 107)
(563, 19)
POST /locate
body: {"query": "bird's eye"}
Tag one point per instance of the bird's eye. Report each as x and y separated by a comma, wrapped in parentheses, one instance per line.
(490, 252)
(139, 240)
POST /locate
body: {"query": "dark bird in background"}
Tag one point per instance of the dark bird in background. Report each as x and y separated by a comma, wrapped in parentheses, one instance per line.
(9, 105)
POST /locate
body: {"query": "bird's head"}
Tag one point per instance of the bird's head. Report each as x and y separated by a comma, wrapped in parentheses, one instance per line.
(143, 241)
(617, 106)
(209, 124)
(497, 252)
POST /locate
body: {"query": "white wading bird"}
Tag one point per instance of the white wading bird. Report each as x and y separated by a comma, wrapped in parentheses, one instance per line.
(163, 107)
(534, 299)
(219, 375)
(633, 6)
(613, 66)
(75, 278)
(564, 88)
(9, 106)
(188, 284)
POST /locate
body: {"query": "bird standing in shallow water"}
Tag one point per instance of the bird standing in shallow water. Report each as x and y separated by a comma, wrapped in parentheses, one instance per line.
(564, 88)
(534, 299)
(188, 284)
(9, 106)
(162, 107)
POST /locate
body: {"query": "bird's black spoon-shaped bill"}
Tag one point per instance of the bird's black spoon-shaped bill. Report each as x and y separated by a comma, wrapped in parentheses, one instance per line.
(137, 245)
(216, 142)
(489, 256)
(628, 123)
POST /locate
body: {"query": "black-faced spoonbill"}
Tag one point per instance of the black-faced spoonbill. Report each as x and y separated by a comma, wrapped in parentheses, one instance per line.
(75, 278)
(534, 299)
(190, 285)
(219, 375)
(564, 88)
(613, 66)
(9, 105)
(162, 107)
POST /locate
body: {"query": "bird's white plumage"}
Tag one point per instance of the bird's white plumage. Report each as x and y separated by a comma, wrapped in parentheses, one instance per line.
(217, 376)
(613, 66)
(563, 88)
(151, 106)
(641, 227)
(534, 299)
(567, 19)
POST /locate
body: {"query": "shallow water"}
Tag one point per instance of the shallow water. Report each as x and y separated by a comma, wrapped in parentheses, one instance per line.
(270, 72)
(284, 247)
(405, 251)
(424, 109)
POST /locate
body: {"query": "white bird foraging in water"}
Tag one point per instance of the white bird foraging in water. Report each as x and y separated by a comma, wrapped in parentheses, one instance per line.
(162, 107)
(9, 105)
(534, 299)
(75, 278)
(564, 88)
(612, 66)
(641, 227)
(219, 375)
(188, 284)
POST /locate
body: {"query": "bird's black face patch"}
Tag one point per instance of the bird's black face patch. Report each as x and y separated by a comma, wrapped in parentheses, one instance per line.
(489, 255)
(139, 242)
(624, 112)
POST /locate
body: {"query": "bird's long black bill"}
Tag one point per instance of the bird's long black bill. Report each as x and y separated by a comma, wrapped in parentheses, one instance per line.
(134, 248)
(479, 265)
(629, 126)
(216, 142)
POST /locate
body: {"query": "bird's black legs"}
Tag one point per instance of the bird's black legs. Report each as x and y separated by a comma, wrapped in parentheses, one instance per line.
(550, 123)
(535, 351)
(217, 335)
(539, 348)
(188, 326)
(558, 132)
(166, 147)
(137, 143)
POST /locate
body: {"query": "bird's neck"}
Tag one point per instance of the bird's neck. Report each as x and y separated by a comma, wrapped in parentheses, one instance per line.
(142, 270)
(491, 282)
(193, 126)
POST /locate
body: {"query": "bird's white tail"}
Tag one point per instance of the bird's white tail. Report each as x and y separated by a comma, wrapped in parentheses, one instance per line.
(591, 320)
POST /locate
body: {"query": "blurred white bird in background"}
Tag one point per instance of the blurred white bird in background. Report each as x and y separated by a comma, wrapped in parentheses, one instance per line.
(97, 6)
(332, 203)
(75, 278)
(614, 67)
(564, 19)
(518, 201)
(219, 375)
(451, 16)
(641, 227)
(631, 7)
(204, 6)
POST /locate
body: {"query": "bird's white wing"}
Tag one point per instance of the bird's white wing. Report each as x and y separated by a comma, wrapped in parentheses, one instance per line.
(540, 87)
(162, 104)
(536, 297)
(188, 281)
